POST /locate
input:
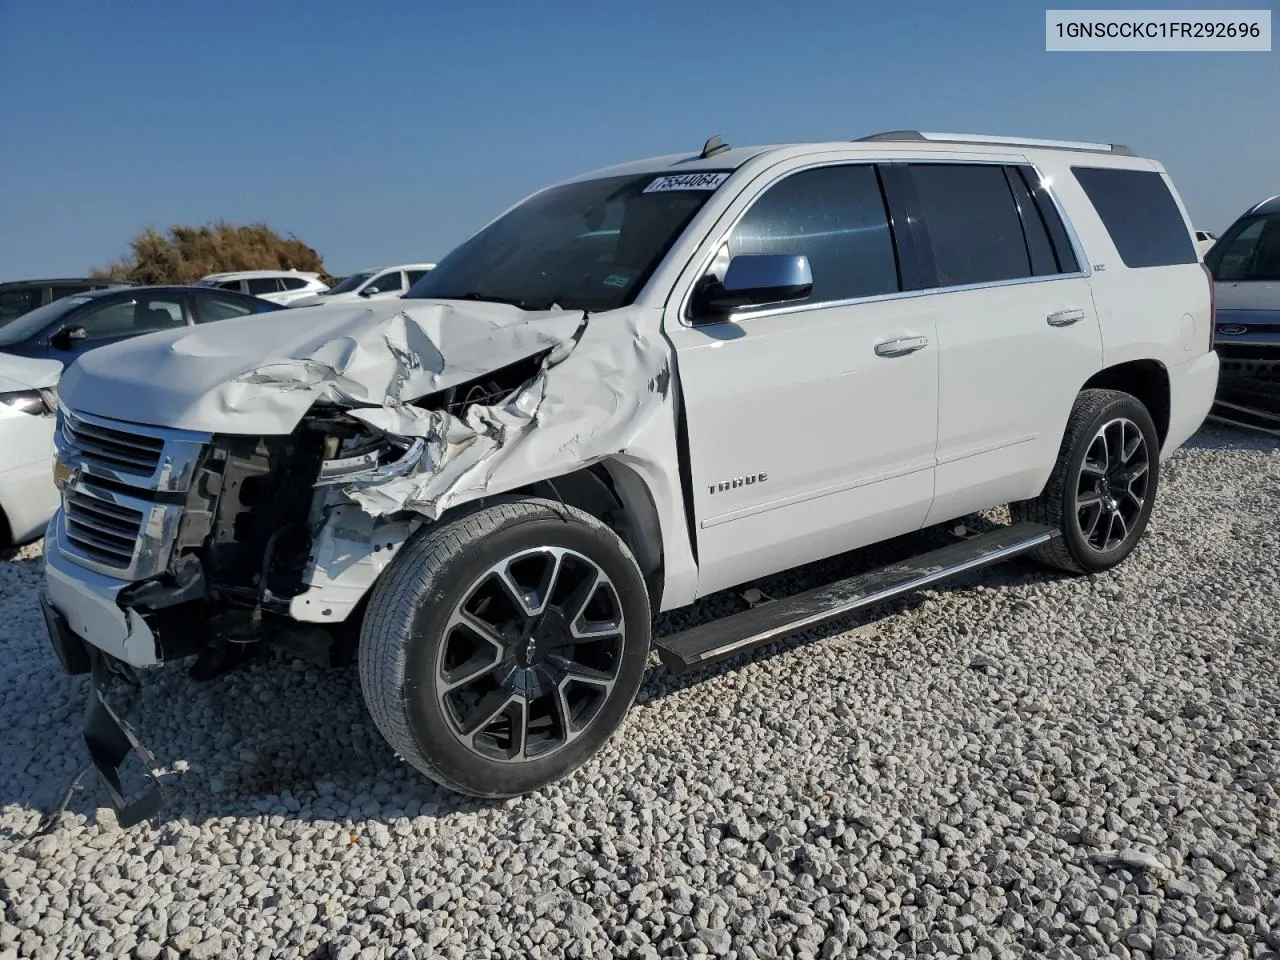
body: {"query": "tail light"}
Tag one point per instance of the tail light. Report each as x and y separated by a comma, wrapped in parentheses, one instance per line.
(1213, 305)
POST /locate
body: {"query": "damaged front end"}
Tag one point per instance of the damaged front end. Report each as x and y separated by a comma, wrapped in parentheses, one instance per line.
(262, 518)
(272, 548)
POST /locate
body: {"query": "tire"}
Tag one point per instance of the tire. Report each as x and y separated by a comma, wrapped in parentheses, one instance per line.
(445, 642)
(1076, 483)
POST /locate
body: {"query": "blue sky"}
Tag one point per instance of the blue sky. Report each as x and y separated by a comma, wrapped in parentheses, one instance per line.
(389, 131)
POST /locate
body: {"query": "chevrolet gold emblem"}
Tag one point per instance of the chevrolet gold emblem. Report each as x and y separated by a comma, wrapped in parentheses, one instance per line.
(62, 474)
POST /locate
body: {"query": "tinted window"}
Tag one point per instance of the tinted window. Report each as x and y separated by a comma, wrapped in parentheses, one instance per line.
(293, 283)
(211, 308)
(1248, 252)
(415, 275)
(974, 230)
(14, 303)
(230, 285)
(1063, 252)
(1140, 214)
(1043, 261)
(261, 285)
(386, 283)
(835, 216)
(131, 317)
(67, 291)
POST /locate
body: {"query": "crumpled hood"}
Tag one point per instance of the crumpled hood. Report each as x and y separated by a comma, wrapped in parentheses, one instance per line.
(602, 383)
(27, 373)
(260, 373)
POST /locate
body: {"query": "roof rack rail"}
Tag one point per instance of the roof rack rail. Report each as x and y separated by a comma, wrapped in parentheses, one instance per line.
(1118, 149)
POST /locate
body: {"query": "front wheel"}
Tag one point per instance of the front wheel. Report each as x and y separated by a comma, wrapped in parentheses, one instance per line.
(503, 648)
(1103, 485)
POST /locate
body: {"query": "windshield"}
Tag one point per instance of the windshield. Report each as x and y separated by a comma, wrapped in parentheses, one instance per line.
(23, 328)
(1250, 251)
(589, 245)
(350, 283)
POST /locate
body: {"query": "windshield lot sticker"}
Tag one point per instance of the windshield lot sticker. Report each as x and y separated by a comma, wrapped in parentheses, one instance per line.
(687, 181)
(616, 280)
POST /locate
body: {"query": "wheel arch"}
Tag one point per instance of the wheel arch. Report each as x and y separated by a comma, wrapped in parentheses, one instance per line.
(1146, 380)
(618, 497)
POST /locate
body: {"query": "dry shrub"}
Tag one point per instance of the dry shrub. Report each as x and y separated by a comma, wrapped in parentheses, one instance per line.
(185, 254)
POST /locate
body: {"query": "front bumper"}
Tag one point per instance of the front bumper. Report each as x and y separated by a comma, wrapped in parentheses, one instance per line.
(88, 602)
(108, 739)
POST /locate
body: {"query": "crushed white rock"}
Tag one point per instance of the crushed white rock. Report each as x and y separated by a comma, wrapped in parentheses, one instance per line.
(1025, 765)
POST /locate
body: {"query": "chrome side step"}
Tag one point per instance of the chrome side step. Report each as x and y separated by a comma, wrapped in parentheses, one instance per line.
(775, 619)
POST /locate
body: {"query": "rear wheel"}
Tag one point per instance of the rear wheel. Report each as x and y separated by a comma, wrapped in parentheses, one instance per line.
(1103, 485)
(503, 648)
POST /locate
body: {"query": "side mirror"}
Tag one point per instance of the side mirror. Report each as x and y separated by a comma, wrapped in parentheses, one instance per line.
(63, 339)
(368, 291)
(751, 280)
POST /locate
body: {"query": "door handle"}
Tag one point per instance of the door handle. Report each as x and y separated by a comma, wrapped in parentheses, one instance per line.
(1064, 318)
(901, 346)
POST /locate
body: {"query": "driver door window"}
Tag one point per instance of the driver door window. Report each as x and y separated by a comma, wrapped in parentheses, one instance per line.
(392, 282)
(130, 318)
(836, 217)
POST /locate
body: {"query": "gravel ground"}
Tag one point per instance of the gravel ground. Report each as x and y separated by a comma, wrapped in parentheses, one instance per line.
(1025, 765)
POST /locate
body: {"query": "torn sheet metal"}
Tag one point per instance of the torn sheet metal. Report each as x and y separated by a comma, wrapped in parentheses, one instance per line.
(592, 398)
(601, 381)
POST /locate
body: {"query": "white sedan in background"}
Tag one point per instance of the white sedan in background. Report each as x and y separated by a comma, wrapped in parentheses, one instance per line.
(28, 401)
(380, 283)
(1204, 240)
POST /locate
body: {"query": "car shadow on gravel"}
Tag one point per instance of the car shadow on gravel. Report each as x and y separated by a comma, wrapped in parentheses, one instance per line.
(280, 738)
(1016, 572)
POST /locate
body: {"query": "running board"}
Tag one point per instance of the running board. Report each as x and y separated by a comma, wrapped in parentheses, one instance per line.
(774, 619)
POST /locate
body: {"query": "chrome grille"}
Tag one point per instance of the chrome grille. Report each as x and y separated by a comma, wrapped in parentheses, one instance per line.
(104, 532)
(112, 448)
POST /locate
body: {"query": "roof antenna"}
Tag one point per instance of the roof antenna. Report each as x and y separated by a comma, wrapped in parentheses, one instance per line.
(713, 146)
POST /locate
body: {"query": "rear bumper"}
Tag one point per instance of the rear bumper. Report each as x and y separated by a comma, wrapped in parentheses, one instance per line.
(87, 601)
(1192, 386)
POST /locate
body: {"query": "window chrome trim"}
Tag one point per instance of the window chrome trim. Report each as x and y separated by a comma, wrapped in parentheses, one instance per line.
(887, 297)
(1073, 238)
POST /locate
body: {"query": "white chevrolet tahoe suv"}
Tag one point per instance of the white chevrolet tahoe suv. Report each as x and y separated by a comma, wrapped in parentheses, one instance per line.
(629, 391)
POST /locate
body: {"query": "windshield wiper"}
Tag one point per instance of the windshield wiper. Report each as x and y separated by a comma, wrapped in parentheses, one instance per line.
(487, 298)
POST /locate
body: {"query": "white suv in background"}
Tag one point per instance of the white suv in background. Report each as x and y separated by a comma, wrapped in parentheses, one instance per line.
(377, 284)
(278, 286)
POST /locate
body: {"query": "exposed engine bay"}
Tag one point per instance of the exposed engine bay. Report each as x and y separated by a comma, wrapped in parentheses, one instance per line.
(256, 504)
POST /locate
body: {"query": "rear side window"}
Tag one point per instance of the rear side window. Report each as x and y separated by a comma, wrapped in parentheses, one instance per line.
(68, 291)
(16, 302)
(836, 217)
(1063, 252)
(261, 285)
(293, 283)
(1140, 214)
(972, 222)
(415, 275)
